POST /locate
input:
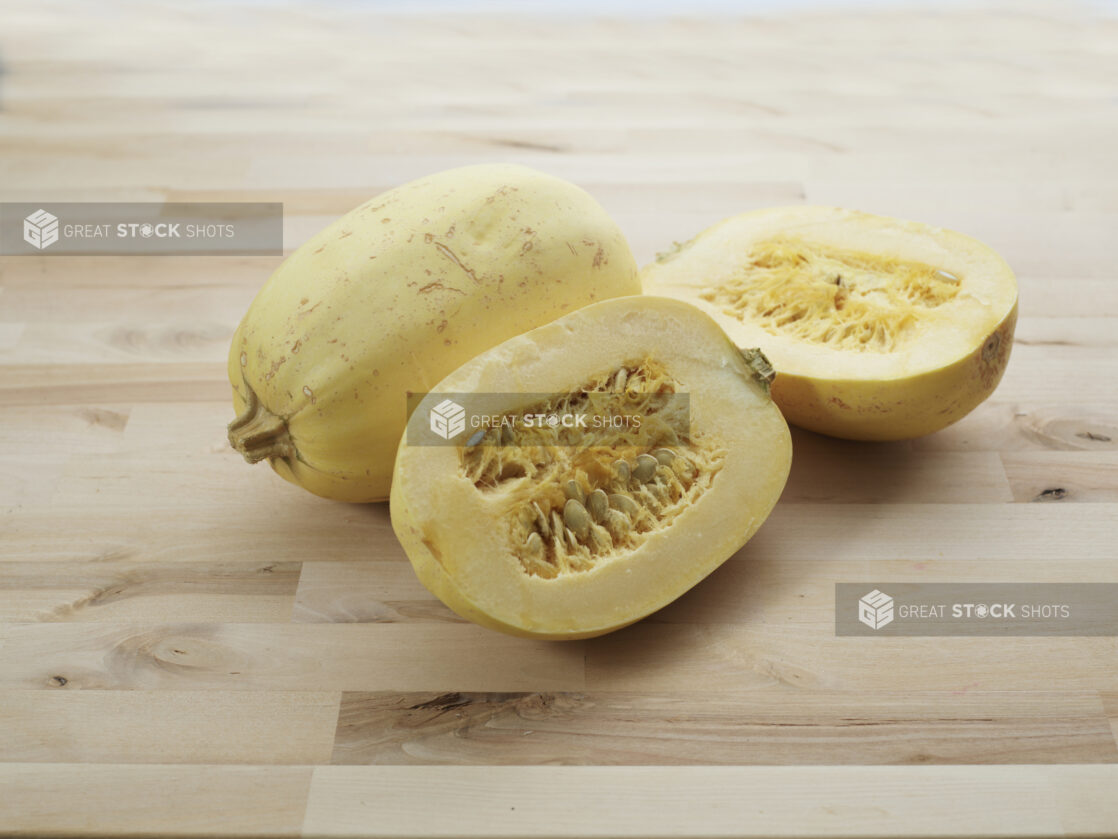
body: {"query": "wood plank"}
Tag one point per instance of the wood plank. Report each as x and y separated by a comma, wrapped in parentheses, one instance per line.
(52, 286)
(1062, 476)
(319, 530)
(773, 726)
(29, 478)
(93, 384)
(43, 799)
(1086, 800)
(750, 589)
(313, 529)
(715, 801)
(753, 589)
(1110, 707)
(164, 726)
(79, 344)
(70, 429)
(996, 425)
(662, 657)
(280, 657)
(366, 592)
(940, 531)
(833, 471)
(127, 590)
(1067, 297)
(1054, 331)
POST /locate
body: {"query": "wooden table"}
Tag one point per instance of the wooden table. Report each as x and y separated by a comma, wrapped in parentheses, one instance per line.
(190, 646)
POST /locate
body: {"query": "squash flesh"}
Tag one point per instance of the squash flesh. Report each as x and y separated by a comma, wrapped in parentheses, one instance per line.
(880, 329)
(466, 543)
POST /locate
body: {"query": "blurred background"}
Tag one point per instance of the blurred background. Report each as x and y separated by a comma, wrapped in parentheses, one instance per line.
(998, 120)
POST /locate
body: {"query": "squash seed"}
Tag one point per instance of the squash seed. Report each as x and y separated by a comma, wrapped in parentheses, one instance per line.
(645, 468)
(541, 521)
(624, 504)
(557, 524)
(664, 456)
(534, 544)
(574, 491)
(597, 503)
(572, 542)
(576, 518)
(622, 470)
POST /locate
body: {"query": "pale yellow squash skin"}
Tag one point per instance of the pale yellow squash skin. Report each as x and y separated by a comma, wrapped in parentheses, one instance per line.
(396, 294)
(952, 365)
(453, 535)
(897, 409)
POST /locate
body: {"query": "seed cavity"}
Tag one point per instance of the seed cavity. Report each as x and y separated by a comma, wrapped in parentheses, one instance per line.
(843, 299)
(575, 502)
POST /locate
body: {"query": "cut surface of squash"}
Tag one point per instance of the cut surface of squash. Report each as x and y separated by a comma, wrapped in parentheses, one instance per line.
(879, 328)
(553, 531)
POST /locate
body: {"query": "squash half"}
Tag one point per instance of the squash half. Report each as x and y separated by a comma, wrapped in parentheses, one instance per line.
(880, 329)
(551, 534)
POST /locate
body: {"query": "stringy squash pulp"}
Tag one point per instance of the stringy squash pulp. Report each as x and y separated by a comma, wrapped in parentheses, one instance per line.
(879, 329)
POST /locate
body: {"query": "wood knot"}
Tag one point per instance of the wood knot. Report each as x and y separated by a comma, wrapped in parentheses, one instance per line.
(1052, 494)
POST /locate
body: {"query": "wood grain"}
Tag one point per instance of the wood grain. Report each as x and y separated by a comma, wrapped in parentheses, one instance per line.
(709, 801)
(772, 726)
(39, 799)
(166, 726)
(189, 646)
(279, 657)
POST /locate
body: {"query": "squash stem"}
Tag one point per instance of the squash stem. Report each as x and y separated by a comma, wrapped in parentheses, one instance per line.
(258, 434)
(760, 366)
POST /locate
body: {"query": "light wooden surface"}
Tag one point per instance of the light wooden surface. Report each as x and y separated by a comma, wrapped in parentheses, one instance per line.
(189, 646)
